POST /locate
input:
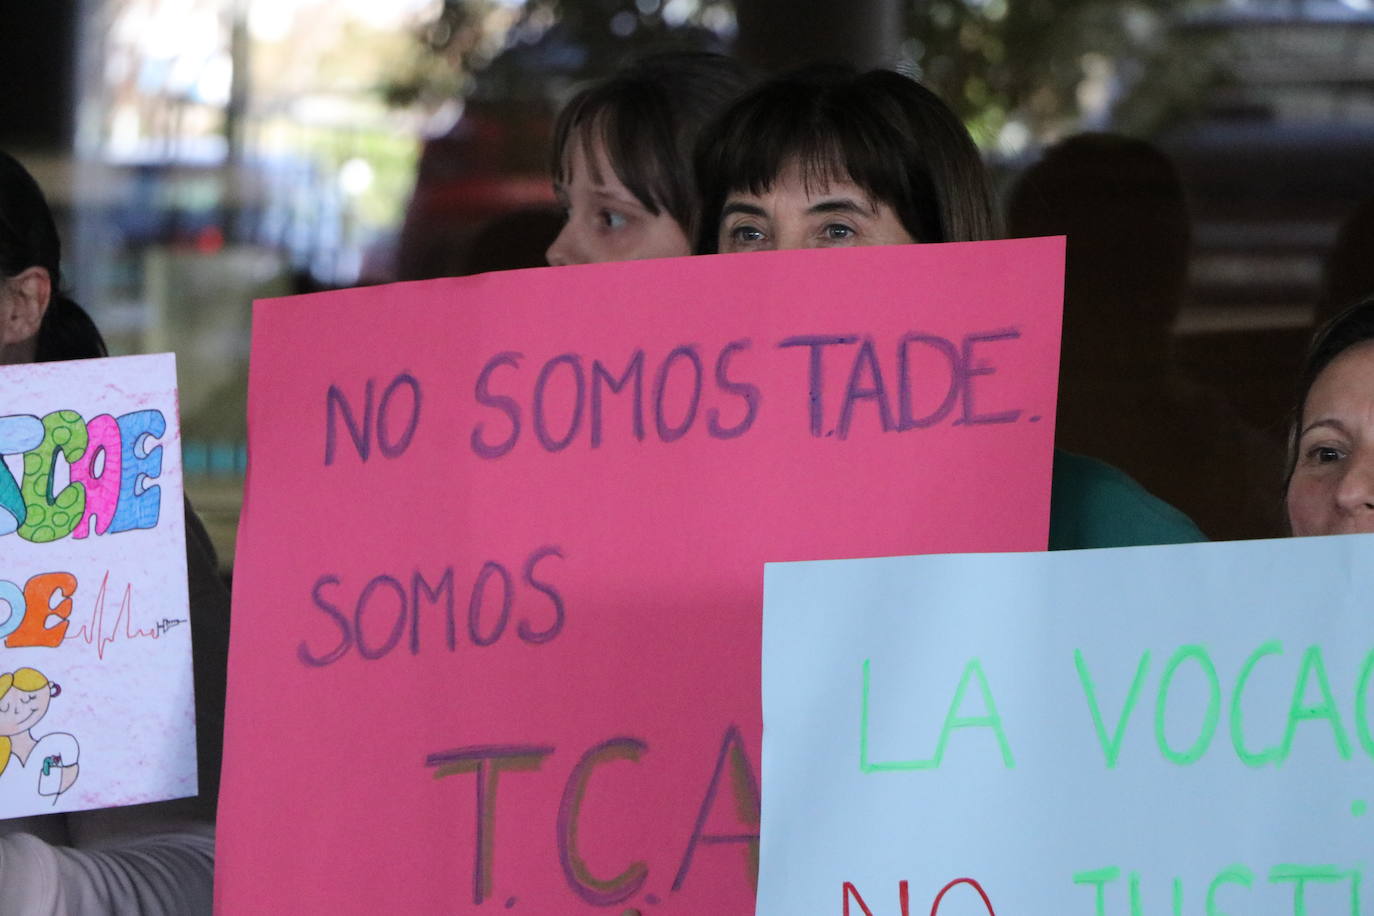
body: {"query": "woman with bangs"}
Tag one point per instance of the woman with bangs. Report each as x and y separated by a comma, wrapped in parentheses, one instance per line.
(622, 157)
(826, 158)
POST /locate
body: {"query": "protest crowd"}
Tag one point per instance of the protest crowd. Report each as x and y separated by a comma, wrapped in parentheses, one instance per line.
(686, 153)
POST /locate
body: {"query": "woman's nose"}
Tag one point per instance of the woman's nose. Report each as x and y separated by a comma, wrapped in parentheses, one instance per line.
(564, 249)
(1355, 495)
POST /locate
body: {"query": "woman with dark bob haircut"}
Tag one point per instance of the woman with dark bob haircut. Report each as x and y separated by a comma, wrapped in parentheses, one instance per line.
(889, 135)
(1330, 486)
(146, 859)
(622, 164)
(827, 157)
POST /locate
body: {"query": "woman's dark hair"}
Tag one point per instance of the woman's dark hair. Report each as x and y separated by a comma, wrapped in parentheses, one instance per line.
(1348, 274)
(884, 132)
(28, 238)
(1350, 327)
(1121, 203)
(648, 115)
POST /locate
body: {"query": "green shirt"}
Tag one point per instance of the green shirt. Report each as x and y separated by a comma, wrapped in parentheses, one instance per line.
(1092, 504)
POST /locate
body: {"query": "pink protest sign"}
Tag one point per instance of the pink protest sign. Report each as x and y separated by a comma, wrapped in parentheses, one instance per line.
(497, 607)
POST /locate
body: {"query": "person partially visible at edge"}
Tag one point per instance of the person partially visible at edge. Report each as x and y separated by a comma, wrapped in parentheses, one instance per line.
(1120, 203)
(145, 860)
(1348, 270)
(622, 157)
(828, 157)
(1330, 481)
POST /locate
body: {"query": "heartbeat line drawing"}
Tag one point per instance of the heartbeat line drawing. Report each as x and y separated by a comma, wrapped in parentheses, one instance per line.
(93, 632)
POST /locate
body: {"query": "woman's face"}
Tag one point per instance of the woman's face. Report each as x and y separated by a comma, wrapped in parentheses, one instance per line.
(605, 222)
(788, 215)
(1332, 488)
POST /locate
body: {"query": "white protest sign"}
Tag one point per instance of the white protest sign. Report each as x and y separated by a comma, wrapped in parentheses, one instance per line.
(96, 701)
(1162, 730)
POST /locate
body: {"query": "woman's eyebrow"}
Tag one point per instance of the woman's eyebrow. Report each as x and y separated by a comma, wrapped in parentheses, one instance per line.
(1326, 422)
(841, 205)
(736, 206)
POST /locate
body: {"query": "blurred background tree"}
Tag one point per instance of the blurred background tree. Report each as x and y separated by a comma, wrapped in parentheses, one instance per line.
(1017, 71)
(523, 50)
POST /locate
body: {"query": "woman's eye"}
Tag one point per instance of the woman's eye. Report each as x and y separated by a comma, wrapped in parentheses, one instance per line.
(838, 232)
(746, 233)
(5, 708)
(611, 220)
(1324, 454)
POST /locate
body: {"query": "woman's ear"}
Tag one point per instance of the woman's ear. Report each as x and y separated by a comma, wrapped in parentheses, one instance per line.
(29, 293)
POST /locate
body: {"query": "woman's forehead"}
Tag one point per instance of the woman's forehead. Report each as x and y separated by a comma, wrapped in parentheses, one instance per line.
(1349, 374)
